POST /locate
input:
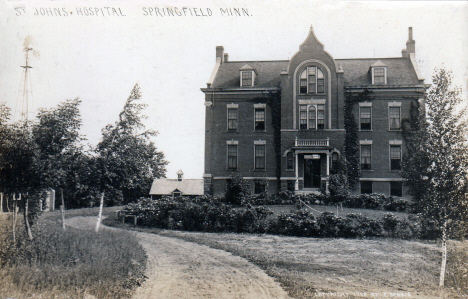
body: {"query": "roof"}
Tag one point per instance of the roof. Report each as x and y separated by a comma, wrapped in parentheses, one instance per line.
(167, 186)
(400, 71)
(228, 75)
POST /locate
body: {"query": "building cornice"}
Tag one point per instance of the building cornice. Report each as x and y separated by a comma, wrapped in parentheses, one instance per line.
(239, 90)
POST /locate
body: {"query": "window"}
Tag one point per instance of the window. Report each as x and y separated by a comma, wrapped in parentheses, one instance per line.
(396, 189)
(365, 118)
(395, 157)
(365, 157)
(303, 83)
(334, 161)
(260, 156)
(259, 187)
(320, 117)
(311, 80)
(303, 117)
(176, 193)
(366, 187)
(379, 75)
(289, 161)
(260, 119)
(232, 119)
(394, 118)
(247, 78)
(179, 177)
(232, 156)
(320, 82)
(291, 185)
(312, 117)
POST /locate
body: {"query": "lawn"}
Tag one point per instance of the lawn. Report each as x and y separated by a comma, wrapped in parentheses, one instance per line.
(70, 263)
(326, 268)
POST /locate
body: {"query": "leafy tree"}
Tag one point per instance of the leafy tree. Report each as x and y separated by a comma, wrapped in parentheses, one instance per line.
(435, 167)
(19, 173)
(59, 141)
(127, 160)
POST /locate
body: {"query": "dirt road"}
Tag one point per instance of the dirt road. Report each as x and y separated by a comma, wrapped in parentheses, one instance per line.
(180, 269)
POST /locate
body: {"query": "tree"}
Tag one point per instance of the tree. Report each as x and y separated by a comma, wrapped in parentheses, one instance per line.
(59, 141)
(127, 160)
(19, 174)
(435, 166)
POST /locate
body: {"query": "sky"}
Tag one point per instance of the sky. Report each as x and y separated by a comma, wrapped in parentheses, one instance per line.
(100, 57)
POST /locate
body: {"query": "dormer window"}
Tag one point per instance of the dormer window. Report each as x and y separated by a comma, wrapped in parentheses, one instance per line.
(247, 76)
(379, 73)
(311, 81)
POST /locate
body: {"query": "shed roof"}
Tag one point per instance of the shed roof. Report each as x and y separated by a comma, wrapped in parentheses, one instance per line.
(167, 186)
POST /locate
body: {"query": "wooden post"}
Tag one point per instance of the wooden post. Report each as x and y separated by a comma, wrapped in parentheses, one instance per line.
(100, 212)
(7, 205)
(62, 211)
(14, 217)
(444, 255)
(1, 202)
(63, 202)
(26, 221)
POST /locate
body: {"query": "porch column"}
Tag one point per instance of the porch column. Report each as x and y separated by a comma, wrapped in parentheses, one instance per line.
(296, 187)
(328, 163)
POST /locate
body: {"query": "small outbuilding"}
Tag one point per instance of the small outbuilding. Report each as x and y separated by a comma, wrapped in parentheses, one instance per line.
(176, 187)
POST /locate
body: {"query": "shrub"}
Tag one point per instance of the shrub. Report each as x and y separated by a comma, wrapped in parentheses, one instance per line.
(362, 226)
(237, 190)
(300, 223)
(338, 188)
(330, 225)
(395, 204)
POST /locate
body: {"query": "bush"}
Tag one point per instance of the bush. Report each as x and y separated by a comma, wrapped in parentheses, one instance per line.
(208, 214)
(237, 190)
(338, 188)
(375, 201)
(300, 223)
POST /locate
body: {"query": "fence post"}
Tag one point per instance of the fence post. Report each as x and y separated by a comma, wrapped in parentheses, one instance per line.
(62, 211)
(100, 212)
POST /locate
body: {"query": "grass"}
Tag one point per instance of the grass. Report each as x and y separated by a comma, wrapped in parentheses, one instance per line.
(320, 268)
(74, 263)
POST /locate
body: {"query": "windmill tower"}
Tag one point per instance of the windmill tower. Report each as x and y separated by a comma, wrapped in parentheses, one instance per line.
(24, 102)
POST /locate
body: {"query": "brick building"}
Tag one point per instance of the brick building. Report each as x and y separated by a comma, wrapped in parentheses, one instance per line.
(243, 135)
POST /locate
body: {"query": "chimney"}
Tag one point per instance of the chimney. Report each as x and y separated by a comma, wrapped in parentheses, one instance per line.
(220, 52)
(226, 57)
(410, 44)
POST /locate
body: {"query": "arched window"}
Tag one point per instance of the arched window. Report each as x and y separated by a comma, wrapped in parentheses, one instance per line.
(334, 162)
(289, 161)
(311, 81)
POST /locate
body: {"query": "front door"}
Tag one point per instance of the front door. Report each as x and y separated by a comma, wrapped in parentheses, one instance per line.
(312, 176)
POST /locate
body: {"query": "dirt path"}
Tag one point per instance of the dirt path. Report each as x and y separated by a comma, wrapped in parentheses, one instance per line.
(180, 269)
